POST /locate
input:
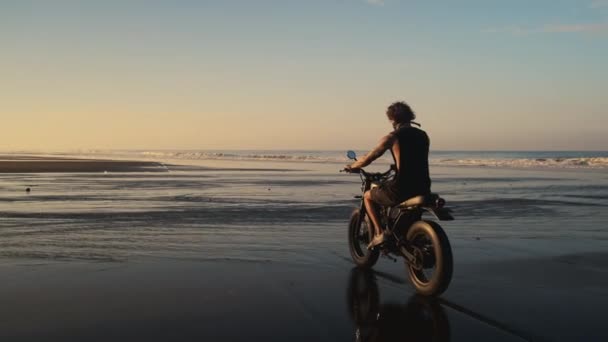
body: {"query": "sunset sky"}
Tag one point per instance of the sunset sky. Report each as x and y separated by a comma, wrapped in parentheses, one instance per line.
(481, 75)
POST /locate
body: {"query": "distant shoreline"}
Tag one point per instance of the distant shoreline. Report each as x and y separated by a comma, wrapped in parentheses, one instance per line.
(35, 164)
(545, 160)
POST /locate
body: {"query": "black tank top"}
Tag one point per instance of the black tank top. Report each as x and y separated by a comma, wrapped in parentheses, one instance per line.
(412, 179)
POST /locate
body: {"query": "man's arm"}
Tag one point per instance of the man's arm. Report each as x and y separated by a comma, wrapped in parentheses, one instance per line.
(385, 143)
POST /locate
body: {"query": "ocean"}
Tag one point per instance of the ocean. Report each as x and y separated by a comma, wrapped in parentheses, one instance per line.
(518, 159)
(291, 206)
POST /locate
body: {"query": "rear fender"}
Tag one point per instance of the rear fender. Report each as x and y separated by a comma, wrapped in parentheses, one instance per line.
(442, 214)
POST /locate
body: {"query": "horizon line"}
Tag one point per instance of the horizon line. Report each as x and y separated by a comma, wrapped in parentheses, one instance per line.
(273, 150)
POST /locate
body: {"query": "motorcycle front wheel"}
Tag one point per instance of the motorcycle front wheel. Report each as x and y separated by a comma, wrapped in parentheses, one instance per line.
(360, 233)
(431, 270)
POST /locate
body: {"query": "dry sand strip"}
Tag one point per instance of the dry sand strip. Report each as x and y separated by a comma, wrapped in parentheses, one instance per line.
(17, 164)
(13, 157)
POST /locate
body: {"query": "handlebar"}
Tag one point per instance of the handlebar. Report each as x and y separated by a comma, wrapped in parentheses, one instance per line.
(353, 171)
(367, 174)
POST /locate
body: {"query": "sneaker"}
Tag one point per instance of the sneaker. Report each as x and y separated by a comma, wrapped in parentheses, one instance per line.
(376, 241)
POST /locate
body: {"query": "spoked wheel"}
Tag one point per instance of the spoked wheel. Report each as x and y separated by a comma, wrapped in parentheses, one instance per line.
(360, 233)
(431, 270)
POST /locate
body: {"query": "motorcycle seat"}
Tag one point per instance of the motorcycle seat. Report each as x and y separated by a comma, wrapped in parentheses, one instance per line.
(420, 200)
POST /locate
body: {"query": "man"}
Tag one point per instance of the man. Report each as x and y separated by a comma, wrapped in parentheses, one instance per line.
(409, 147)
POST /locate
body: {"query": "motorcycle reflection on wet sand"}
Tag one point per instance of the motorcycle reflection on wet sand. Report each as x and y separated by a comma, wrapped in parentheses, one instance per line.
(420, 319)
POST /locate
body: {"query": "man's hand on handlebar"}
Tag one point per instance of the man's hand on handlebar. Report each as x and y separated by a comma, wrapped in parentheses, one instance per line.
(350, 169)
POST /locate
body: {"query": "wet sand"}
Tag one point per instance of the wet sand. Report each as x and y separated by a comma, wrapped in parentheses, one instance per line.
(160, 300)
(34, 164)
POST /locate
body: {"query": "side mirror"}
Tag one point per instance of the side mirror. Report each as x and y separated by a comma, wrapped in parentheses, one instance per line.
(351, 155)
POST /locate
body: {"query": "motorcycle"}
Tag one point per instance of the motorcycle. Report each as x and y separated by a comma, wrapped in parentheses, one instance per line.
(422, 243)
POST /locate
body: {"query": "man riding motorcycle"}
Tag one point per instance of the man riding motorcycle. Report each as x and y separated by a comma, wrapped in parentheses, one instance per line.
(409, 147)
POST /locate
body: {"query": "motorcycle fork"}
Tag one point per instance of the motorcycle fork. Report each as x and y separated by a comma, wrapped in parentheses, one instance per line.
(362, 213)
(362, 210)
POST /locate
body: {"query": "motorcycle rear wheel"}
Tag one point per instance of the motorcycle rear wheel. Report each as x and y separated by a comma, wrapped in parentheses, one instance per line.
(360, 233)
(431, 272)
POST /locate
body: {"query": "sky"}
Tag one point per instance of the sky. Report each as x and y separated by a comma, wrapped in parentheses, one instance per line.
(258, 74)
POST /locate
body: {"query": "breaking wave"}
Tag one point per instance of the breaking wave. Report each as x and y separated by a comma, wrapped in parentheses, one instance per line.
(241, 156)
(597, 162)
(559, 162)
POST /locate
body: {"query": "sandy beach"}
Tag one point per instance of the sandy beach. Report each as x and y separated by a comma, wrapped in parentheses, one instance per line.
(239, 251)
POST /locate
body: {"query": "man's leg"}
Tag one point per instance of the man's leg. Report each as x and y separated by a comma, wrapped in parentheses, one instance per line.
(371, 211)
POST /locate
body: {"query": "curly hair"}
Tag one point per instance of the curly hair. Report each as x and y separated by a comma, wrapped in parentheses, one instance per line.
(400, 112)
